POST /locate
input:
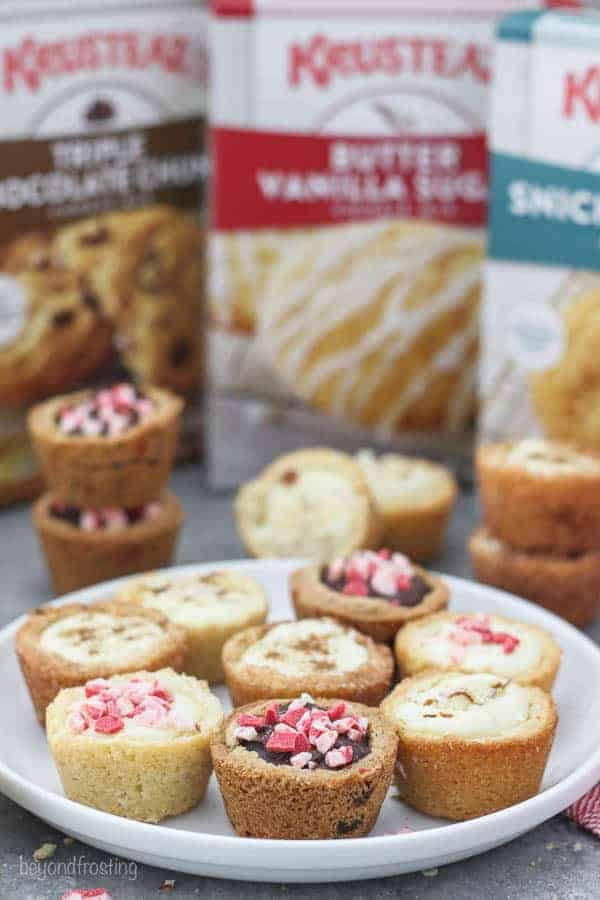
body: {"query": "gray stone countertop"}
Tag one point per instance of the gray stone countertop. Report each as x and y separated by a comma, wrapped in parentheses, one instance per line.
(555, 861)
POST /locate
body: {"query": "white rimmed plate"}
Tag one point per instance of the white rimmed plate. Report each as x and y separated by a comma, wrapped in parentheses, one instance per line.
(202, 841)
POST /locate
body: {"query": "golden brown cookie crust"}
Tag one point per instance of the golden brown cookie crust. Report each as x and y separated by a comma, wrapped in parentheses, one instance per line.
(531, 510)
(410, 661)
(78, 558)
(48, 673)
(147, 781)
(267, 801)
(458, 779)
(568, 586)
(374, 617)
(246, 683)
(126, 471)
(416, 528)
(252, 497)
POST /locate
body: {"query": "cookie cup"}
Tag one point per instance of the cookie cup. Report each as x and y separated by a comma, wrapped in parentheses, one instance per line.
(211, 608)
(127, 471)
(538, 495)
(78, 558)
(566, 585)
(313, 503)
(368, 684)
(47, 672)
(414, 498)
(279, 801)
(423, 646)
(455, 776)
(371, 615)
(142, 775)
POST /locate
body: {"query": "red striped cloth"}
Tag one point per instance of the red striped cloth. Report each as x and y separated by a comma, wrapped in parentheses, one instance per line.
(586, 811)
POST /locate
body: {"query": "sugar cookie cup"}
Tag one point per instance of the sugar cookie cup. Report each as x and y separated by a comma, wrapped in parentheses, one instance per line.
(127, 470)
(279, 795)
(63, 646)
(540, 495)
(469, 744)
(137, 745)
(353, 600)
(77, 557)
(210, 607)
(312, 503)
(566, 585)
(415, 499)
(477, 642)
(319, 656)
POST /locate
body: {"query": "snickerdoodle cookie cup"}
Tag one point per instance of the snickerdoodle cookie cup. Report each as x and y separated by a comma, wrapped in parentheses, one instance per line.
(414, 497)
(469, 744)
(319, 656)
(110, 447)
(312, 503)
(210, 607)
(136, 745)
(377, 593)
(63, 646)
(305, 770)
(566, 585)
(477, 642)
(540, 495)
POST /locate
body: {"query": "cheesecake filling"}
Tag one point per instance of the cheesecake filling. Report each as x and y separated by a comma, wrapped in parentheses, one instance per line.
(398, 482)
(544, 458)
(106, 519)
(304, 735)
(201, 600)
(98, 638)
(308, 647)
(381, 575)
(469, 706)
(109, 412)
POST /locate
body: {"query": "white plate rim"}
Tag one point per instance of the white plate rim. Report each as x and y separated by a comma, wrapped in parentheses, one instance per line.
(240, 853)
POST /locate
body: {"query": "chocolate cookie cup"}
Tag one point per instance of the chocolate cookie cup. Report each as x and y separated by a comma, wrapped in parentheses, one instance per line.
(313, 503)
(64, 646)
(129, 469)
(469, 744)
(540, 495)
(414, 497)
(332, 792)
(77, 557)
(211, 607)
(377, 593)
(566, 585)
(135, 745)
(477, 642)
(319, 656)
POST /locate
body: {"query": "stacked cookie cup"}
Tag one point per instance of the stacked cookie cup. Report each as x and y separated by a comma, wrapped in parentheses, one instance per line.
(106, 456)
(541, 532)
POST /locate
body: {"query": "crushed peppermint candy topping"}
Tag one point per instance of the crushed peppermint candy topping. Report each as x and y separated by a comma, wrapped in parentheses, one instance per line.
(469, 630)
(107, 413)
(107, 519)
(382, 575)
(108, 706)
(304, 735)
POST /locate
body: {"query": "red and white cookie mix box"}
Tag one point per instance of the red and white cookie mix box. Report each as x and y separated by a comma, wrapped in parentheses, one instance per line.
(348, 206)
(101, 168)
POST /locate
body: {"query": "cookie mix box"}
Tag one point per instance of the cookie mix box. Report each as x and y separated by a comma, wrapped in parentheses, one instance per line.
(349, 199)
(101, 167)
(541, 315)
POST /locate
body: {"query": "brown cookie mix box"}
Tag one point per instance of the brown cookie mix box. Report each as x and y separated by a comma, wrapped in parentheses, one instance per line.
(101, 235)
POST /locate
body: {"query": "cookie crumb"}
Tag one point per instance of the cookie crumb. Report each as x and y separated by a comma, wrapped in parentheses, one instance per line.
(577, 846)
(67, 841)
(429, 873)
(46, 851)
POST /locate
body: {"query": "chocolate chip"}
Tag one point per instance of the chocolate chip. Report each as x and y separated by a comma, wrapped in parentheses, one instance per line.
(180, 352)
(344, 827)
(99, 235)
(290, 476)
(63, 318)
(100, 111)
(90, 300)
